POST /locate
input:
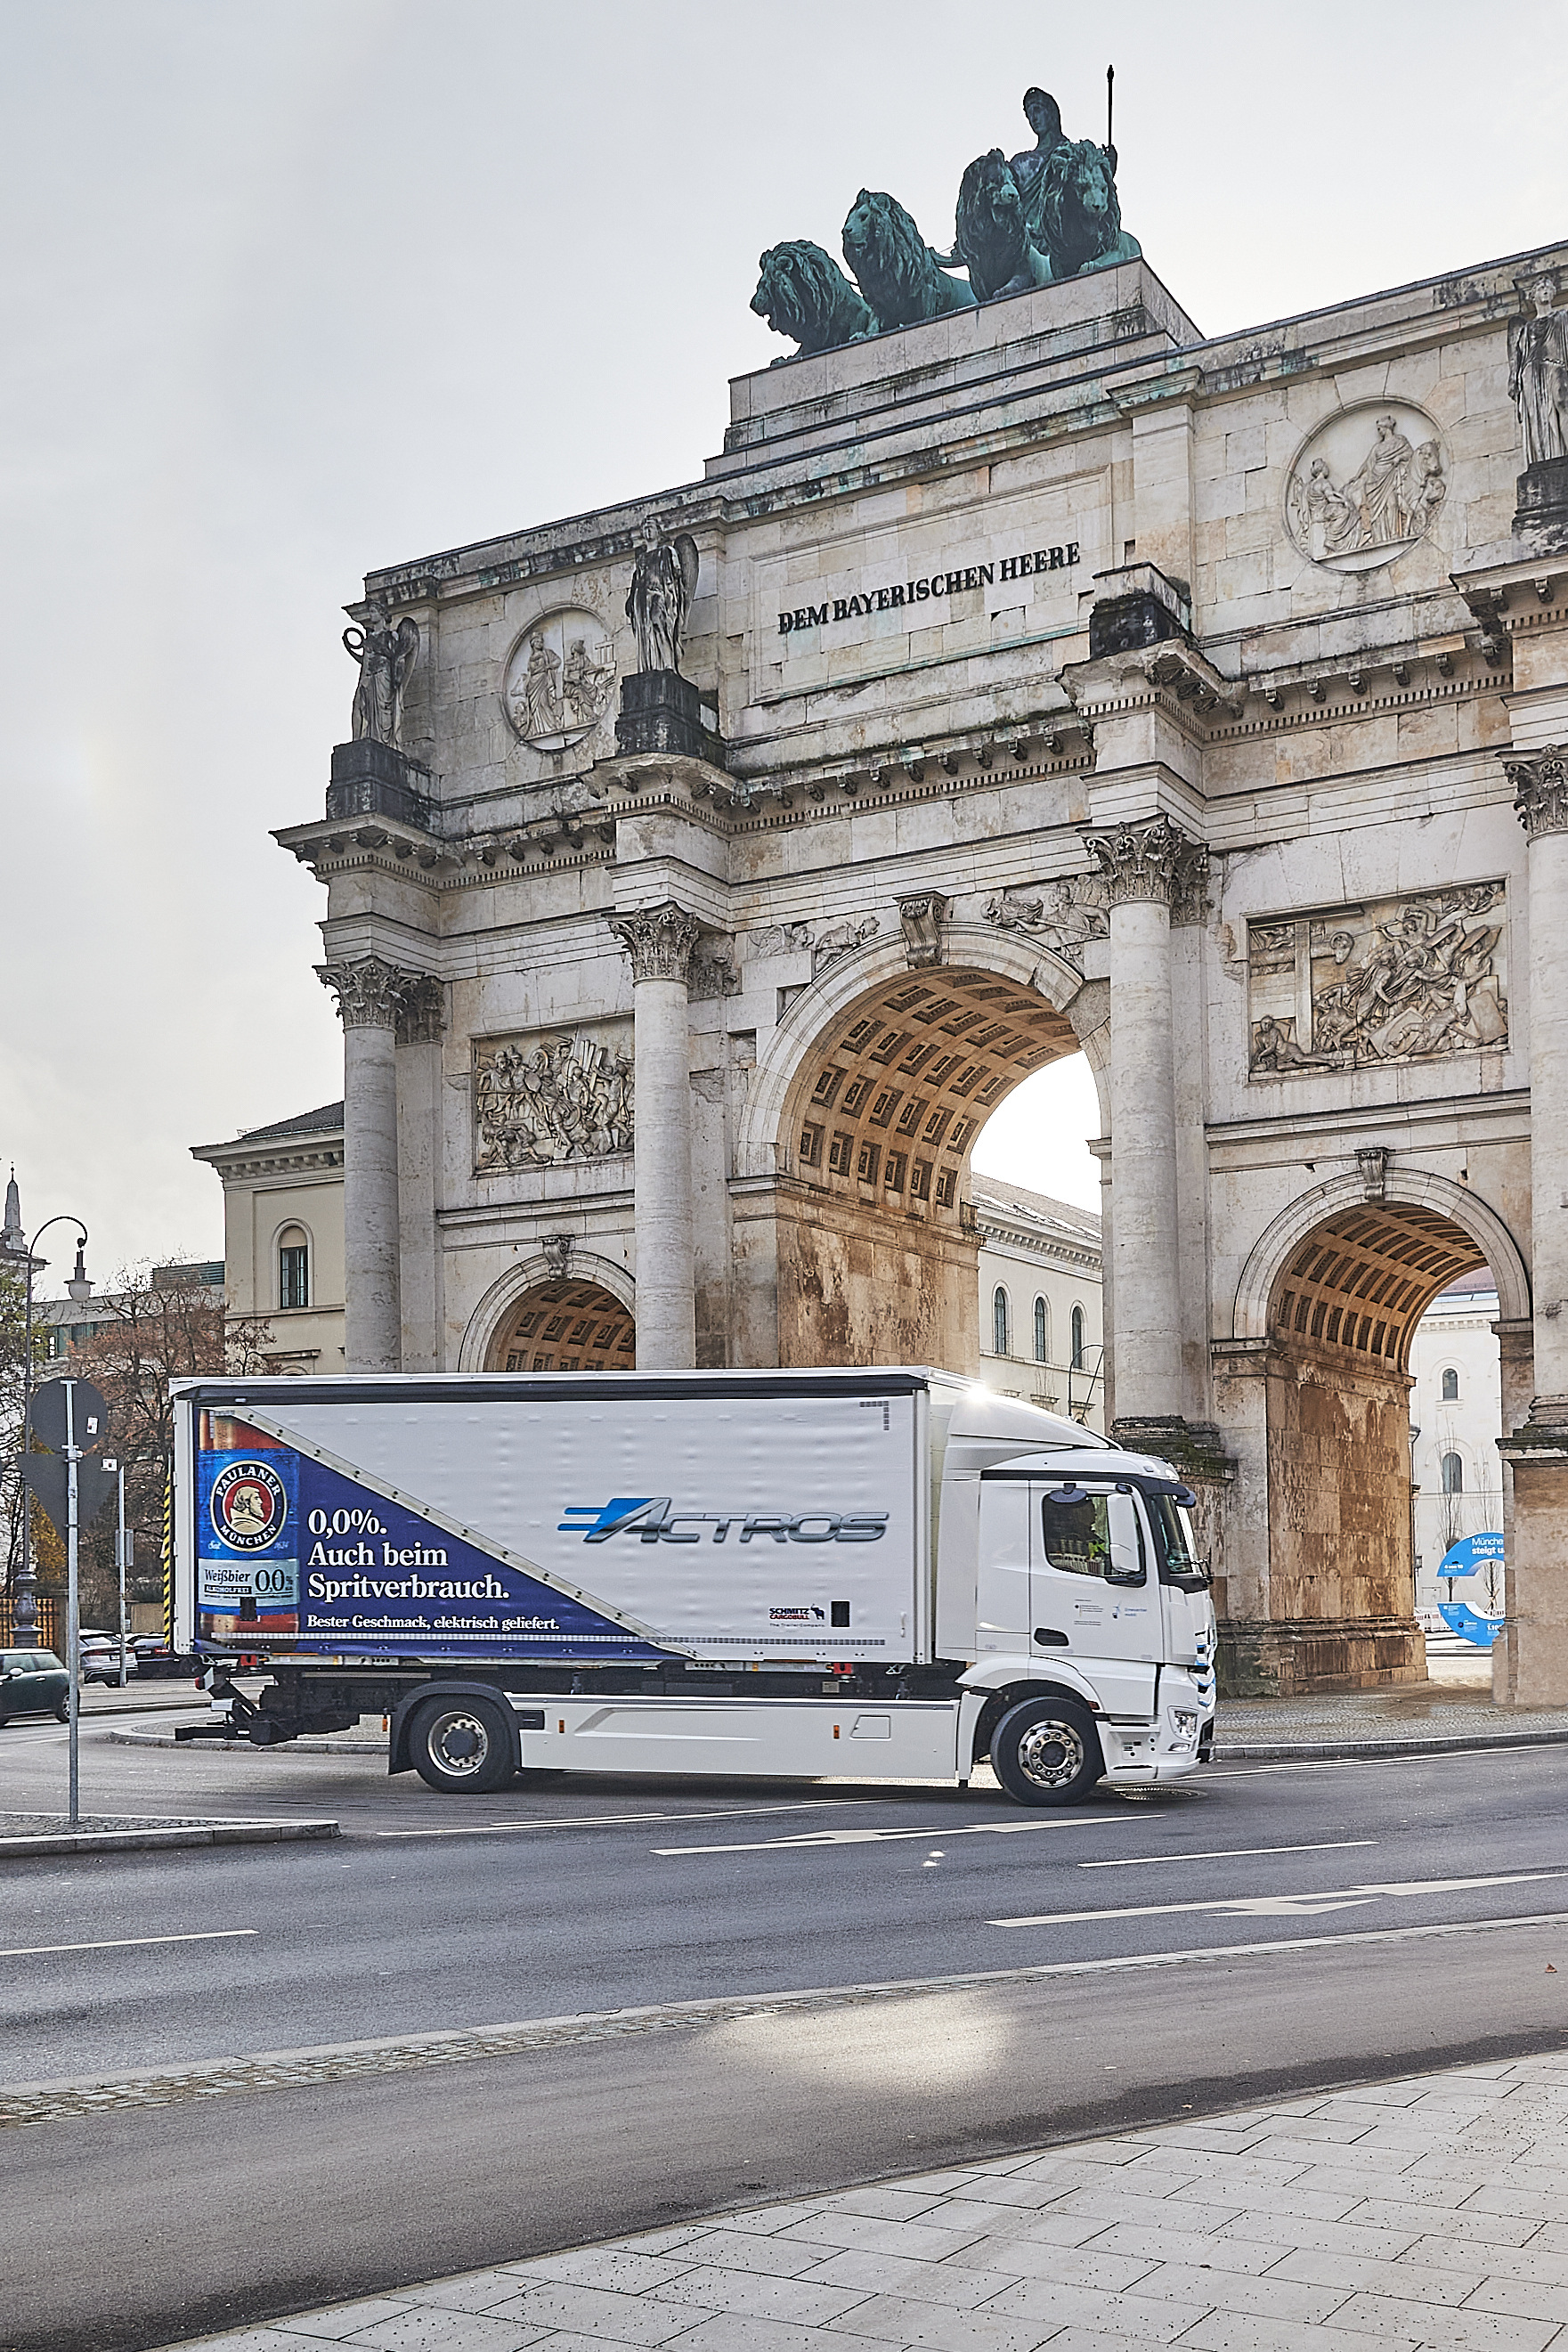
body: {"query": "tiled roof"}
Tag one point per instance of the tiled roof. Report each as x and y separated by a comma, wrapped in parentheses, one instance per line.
(1015, 1201)
(324, 1121)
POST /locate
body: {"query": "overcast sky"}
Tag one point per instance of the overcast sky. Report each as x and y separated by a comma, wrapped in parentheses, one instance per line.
(302, 286)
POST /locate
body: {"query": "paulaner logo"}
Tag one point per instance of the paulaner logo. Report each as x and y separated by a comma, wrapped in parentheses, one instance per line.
(650, 1518)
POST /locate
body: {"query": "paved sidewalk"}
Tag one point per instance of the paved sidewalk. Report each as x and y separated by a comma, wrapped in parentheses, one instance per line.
(1441, 1712)
(1430, 2213)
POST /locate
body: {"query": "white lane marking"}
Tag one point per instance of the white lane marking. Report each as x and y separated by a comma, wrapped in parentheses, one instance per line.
(1290, 1906)
(619, 1821)
(824, 1839)
(124, 1943)
(1224, 1853)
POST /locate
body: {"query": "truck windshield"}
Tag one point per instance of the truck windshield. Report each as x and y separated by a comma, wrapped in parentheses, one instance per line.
(1175, 1544)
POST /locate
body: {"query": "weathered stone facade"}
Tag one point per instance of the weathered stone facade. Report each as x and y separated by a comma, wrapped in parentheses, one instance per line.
(1060, 679)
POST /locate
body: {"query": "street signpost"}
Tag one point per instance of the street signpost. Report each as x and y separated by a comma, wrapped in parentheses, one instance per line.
(71, 1418)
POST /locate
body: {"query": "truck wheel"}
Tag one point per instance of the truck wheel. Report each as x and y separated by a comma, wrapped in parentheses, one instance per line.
(465, 1747)
(1046, 1751)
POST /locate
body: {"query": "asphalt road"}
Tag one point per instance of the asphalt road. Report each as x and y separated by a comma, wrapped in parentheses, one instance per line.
(1359, 1918)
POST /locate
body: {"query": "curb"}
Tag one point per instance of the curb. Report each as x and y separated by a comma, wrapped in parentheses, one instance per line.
(308, 1746)
(210, 1833)
(1307, 1751)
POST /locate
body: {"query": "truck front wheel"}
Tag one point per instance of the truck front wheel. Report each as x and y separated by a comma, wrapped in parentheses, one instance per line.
(465, 1747)
(1046, 1751)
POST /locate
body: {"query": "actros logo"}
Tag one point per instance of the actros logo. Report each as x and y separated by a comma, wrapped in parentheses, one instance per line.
(650, 1518)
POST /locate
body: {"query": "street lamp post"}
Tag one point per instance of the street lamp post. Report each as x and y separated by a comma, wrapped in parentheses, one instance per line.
(24, 1611)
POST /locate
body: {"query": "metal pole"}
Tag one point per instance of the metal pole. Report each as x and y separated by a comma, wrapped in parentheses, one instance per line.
(24, 1609)
(121, 1563)
(1110, 97)
(73, 1609)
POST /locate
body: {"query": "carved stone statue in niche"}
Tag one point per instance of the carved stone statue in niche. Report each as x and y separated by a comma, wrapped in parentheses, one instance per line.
(386, 656)
(1538, 372)
(570, 1098)
(664, 581)
(1397, 981)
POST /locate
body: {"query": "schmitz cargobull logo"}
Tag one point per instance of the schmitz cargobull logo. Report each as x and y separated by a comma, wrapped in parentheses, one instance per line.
(249, 1505)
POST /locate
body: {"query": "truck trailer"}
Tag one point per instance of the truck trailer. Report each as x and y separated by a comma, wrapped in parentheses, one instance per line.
(886, 1574)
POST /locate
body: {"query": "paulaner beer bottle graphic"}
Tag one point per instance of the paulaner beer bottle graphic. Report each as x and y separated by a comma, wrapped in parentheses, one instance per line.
(247, 1519)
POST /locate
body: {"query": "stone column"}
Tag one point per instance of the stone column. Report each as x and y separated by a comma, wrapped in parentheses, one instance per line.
(1534, 1668)
(370, 993)
(1149, 867)
(660, 941)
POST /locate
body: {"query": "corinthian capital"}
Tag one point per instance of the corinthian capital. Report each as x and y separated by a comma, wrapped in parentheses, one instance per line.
(1152, 861)
(659, 940)
(373, 993)
(1540, 790)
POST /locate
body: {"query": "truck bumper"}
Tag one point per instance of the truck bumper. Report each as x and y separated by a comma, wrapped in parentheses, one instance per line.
(1144, 1753)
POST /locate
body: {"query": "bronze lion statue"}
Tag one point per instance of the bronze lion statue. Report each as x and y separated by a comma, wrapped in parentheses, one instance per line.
(1079, 219)
(895, 268)
(992, 237)
(803, 293)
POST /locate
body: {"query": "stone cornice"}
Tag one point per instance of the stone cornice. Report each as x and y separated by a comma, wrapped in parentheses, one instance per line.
(1519, 594)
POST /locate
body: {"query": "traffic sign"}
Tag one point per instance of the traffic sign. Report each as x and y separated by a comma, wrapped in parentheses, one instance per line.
(89, 1414)
(1471, 1554)
(47, 1477)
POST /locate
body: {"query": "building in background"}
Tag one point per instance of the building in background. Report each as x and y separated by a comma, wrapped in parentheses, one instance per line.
(67, 1325)
(283, 1236)
(1041, 1330)
(1455, 1420)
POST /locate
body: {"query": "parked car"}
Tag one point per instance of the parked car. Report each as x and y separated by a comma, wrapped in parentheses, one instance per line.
(33, 1682)
(99, 1657)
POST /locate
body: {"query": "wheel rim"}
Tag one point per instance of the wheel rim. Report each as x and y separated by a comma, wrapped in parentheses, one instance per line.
(459, 1744)
(1051, 1754)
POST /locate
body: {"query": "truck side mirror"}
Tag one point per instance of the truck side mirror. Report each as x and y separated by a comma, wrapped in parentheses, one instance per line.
(1125, 1575)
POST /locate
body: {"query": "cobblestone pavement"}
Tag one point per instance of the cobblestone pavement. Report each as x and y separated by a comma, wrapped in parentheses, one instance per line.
(1439, 1710)
(1426, 2215)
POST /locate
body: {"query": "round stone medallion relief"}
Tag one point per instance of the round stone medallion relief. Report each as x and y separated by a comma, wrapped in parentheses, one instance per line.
(1367, 484)
(559, 678)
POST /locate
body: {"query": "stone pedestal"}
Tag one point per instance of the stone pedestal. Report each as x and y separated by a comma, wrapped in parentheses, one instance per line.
(373, 779)
(1542, 520)
(660, 941)
(662, 712)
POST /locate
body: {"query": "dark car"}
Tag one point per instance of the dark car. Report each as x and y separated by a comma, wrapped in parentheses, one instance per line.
(33, 1682)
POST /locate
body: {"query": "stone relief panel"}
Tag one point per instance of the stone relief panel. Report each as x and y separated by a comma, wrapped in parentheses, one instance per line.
(559, 680)
(555, 1095)
(1367, 484)
(1062, 915)
(1395, 980)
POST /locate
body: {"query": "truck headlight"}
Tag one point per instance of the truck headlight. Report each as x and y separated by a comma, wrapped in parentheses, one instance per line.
(1184, 1724)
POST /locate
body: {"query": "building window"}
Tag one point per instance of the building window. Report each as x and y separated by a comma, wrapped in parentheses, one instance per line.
(1042, 1333)
(293, 1268)
(1450, 1386)
(1078, 1339)
(999, 1322)
(1453, 1475)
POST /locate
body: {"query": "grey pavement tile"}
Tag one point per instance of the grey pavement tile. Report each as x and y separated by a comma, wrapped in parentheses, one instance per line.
(766, 2221)
(1527, 2261)
(1412, 2282)
(732, 2249)
(1030, 2190)
(665, 2242)
(1241, 2331)
(1473, 2229)
(1121, 2150)
(943, 2183)
(616, 2267)
(1334, 2237)
(1271, 2296)
(887, 2320)
(1525, 2298)
(1147, 2319)
(917, 2238)
(1211, 2252)
(733, 2331)
(340, 2320)
(945, 2284)
(1526, 2204)
(1454, 2331)
(994, 2252)
(245, 2339)
(894, 2203)
(428, 2329)
(1397, 2187)
(473, 2291)
(1072, 2265)
(1244, 2171)
(808, 2302)
(1552, 2238)
(590, 2311)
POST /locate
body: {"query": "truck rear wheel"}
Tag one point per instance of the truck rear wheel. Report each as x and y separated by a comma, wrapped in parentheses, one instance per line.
(465, 1747)
(1046, 1751)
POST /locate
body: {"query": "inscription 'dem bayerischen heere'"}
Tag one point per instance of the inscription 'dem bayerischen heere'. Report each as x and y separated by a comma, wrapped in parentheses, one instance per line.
(935, 584)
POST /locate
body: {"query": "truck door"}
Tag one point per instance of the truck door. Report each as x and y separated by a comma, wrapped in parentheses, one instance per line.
(1002, 1619)
(1093, 1597)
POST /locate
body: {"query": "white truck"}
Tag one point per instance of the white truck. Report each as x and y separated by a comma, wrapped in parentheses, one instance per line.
(886, 1574)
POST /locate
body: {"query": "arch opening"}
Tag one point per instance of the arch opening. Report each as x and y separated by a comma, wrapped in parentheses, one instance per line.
(566, 1327)
(1345, 1310)
(878, 1246)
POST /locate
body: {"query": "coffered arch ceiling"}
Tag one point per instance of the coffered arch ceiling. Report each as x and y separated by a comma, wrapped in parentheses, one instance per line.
(887, 1105)
(1361, 1281)
(566, 1327)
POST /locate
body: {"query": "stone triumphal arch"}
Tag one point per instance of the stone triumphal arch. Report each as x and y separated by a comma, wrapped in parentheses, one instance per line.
(1036, 678)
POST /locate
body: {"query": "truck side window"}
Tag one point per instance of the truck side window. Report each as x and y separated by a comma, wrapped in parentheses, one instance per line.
(1077, 1535)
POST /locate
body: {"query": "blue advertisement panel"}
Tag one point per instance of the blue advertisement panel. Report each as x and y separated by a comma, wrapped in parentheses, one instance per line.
(295, 1556)
(1471, 1554)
